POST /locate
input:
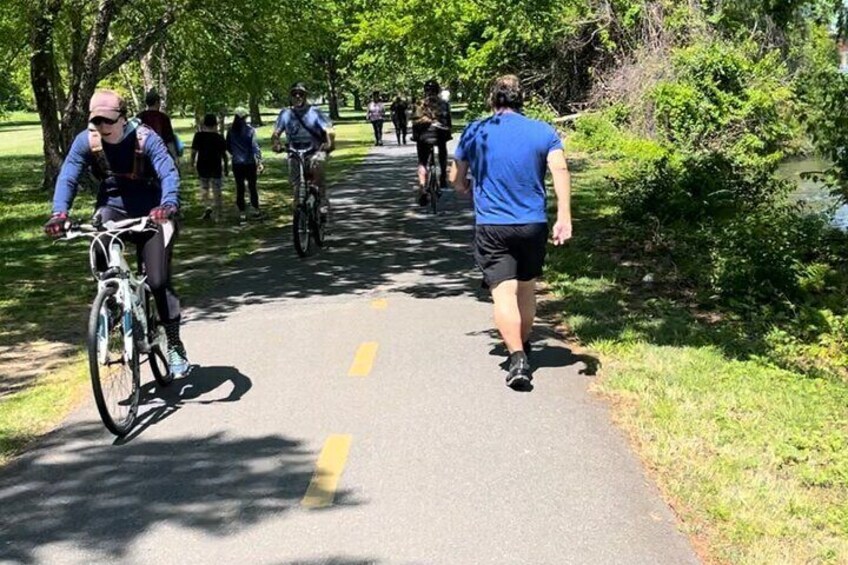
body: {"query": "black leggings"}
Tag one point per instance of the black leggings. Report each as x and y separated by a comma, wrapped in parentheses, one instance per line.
(154, 255)
(245, 172)
(378, 130)
(400, 128)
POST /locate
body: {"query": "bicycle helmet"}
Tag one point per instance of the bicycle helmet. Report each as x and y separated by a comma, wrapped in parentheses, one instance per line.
(298, 87)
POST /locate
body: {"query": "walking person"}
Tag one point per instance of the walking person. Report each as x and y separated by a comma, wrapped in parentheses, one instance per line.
(398, 111)
(208, 154)
(507, 154)
(247, 162)
(157, 120)
(376, 115)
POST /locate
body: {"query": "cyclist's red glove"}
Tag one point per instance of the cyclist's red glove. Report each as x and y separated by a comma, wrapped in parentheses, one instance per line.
(55, 226)
(163, 213)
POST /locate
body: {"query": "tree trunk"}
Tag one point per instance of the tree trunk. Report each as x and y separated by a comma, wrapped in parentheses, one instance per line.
(332, 84)
(147, 71)
(357, 102)
(84, 74)
(131, 88)
(163, 77)
(42, 76)
(255, 115)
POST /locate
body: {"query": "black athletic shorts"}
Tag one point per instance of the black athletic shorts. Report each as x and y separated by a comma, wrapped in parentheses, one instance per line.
(505, 252)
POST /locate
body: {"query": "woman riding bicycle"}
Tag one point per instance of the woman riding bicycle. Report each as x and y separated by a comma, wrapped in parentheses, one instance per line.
(137, 178)
(431, 125)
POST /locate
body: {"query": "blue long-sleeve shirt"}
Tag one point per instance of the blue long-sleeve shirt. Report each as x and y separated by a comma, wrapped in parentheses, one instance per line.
(243, 146)
(134, 196)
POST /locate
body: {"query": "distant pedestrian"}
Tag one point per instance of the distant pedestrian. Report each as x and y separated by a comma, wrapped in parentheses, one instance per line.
(157, 120)
(398, 110)
(376, 115)
(247, 162)
(209, 156)
(507, 154)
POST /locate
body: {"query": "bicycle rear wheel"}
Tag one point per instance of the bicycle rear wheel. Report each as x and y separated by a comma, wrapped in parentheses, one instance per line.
(158, 344)
(319, 224)
(433, 188)
(114, 377)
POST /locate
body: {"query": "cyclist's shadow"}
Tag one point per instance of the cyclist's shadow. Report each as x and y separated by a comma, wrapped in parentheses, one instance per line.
(157, 403)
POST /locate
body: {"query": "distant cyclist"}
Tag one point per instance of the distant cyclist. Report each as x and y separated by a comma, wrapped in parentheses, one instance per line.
(431, 127)
(137, 178)
(306, 127)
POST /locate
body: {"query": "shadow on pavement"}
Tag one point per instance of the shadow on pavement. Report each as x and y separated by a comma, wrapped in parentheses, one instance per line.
(157, 403)
(77, 489)
(379, 239)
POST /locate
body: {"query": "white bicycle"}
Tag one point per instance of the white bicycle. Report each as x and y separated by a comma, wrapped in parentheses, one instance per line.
(123, 325)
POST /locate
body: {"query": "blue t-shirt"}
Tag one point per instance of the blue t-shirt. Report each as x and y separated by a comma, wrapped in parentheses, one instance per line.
(507, 154)
(296, 133)
(136, 197)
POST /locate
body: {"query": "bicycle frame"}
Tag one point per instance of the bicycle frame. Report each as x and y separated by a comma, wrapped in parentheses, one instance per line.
(306, 185)
(130, 291)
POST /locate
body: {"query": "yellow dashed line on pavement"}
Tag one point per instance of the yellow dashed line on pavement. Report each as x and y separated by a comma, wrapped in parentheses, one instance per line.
(328, 471)
(363, 361)
(379, 304)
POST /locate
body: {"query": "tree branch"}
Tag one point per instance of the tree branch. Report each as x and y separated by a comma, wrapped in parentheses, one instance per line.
(139, 45)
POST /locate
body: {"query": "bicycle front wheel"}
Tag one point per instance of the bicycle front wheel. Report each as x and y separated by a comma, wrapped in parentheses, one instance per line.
(114, 372)
(301, 230)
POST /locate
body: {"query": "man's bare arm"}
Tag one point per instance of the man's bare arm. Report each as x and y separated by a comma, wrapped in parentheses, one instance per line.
(458, 176)
(562, 187)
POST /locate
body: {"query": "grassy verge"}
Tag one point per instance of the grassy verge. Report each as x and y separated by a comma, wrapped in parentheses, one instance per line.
(753, 458)
(45, 288)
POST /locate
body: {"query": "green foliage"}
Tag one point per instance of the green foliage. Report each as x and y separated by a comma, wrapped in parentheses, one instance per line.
(824, 90)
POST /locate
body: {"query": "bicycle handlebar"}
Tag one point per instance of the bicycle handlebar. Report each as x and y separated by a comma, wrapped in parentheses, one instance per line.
(75, 228)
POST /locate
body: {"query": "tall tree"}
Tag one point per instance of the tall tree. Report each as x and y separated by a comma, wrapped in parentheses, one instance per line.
(95, 54)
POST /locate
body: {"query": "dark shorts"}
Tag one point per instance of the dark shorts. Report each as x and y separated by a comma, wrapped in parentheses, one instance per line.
(505, 252)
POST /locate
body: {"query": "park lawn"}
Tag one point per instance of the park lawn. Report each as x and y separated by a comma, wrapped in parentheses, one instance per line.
(753, 459)
(46, 289)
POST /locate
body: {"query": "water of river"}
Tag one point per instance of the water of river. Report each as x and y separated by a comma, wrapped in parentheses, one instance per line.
(813, 193)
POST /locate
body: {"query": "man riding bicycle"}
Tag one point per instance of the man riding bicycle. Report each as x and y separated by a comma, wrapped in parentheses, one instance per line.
(431, 127)
(306, 127)
(137, 178)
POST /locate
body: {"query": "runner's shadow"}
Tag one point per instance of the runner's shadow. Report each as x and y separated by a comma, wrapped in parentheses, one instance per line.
(157, 403)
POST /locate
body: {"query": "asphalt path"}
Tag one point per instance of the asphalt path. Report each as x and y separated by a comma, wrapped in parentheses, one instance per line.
(348, 408)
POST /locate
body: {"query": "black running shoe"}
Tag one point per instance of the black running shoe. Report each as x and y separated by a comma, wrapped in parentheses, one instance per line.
(519, 376)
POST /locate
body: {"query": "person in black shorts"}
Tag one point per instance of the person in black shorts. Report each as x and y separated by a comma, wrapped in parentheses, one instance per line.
(511, 223)
(208, 153)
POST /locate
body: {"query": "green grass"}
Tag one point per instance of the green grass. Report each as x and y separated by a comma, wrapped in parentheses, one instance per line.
(754, 459)
(45, 287)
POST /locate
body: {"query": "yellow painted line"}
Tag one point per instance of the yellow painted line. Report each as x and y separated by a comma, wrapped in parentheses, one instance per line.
(363, 360)
(328, 471)
(379, 304)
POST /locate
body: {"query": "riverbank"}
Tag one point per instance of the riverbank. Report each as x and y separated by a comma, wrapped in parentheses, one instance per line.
(752, 457)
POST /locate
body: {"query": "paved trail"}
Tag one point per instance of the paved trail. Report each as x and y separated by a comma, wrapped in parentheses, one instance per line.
(367, 377)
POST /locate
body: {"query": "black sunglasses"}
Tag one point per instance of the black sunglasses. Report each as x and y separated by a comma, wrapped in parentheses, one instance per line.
(100, 120)
(298, 94)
